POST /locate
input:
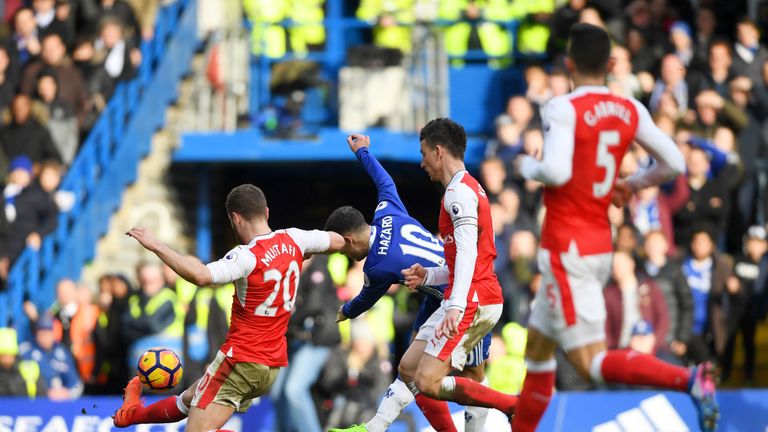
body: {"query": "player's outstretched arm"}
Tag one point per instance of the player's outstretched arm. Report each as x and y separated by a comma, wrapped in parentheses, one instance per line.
(364, 300)
(669, 160)
(385, 186)
(556, 166)
(188, 267)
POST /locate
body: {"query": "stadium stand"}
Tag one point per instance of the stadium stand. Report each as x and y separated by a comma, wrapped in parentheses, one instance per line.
(266, 92)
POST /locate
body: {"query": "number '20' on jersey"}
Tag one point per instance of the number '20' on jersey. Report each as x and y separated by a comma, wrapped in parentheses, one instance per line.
(266, 275)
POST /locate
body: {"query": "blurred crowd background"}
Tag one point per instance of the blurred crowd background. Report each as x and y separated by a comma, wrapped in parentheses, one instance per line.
(690, 274)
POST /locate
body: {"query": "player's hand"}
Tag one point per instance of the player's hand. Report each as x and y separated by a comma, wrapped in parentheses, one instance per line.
(340, 315)
(622, 193)
(415, 276)
(678, 348)
(145, 238)
(450, 325)
(358, 141)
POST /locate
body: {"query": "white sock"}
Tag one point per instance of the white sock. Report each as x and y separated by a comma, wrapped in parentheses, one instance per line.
(397, 397)
(474, 417)
(595, 369)
(180, 405)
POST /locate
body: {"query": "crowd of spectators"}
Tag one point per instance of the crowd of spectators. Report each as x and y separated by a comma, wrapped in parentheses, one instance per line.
(691, 270)
(60, 61)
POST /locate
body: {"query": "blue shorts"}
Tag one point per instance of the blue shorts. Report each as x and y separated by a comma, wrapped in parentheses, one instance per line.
(479, 353)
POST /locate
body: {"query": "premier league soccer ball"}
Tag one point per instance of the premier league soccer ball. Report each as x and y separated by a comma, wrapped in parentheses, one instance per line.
(160, 369)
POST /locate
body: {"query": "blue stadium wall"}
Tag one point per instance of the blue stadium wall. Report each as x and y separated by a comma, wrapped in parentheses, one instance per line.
(742, 411)
(217, 161)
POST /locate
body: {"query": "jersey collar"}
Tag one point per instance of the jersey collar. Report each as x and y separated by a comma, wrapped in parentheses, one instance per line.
(372, 238)
(456, 177)
(591, 89)
(253, 241)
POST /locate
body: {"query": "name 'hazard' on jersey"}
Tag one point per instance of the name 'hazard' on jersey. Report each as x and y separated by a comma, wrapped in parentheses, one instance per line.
(603, 126)
(397, 242)
(465, 202)
(266, 275)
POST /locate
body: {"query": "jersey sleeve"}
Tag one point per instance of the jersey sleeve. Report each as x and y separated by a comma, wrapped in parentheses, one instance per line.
(236, 264)
(375, 286)
(461, 203)
(385, 186)
(559, 127)
(314, 241)
(669, 162)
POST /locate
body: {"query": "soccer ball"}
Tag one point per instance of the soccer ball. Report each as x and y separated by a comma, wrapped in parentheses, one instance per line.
(160, 369)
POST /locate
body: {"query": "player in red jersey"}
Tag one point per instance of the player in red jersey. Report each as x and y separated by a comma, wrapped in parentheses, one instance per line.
(265, 269)
(472, 300)
(587, 133)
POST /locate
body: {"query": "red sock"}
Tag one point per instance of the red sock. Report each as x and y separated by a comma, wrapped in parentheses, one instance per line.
(472, 393)
(163, 411)
(634, 368)
(534, 399)
(436, 412)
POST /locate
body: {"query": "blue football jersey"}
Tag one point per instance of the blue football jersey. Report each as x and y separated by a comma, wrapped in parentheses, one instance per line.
(397, 242)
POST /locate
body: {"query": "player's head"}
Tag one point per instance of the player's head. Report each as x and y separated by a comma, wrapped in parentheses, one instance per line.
(348, 222)
(589, 51)
(246, 204)
(442, 140)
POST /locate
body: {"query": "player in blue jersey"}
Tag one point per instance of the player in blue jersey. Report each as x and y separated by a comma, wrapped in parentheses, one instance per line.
(395, 241)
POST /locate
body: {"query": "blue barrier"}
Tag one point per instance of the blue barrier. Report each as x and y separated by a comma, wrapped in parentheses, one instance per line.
(742, 411)
(465, 108)
(329, 145)
(93, 414)
(106, 164)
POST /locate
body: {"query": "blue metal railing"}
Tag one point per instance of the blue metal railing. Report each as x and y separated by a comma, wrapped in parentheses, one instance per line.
(106, 164)
(332, 57)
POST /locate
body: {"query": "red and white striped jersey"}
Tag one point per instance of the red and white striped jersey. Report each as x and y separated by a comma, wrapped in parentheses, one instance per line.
(586, 135)
(266, 275)
(466, 227)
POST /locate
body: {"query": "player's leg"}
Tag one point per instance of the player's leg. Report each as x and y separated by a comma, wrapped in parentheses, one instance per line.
(436, 411)
(443, 354)
(168, 410)
(584, 341)
(399, 394)
(212, 417)
(227, 389)
(474, 417)
(539, 381)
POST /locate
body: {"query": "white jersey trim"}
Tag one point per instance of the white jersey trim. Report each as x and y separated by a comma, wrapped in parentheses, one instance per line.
(461, 204)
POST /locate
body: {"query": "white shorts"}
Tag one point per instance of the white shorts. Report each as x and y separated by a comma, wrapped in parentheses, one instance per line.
(569, 307)
(475, 323)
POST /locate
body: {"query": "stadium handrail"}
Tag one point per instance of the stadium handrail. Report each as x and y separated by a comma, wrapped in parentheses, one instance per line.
(334, 52)
(106, 164)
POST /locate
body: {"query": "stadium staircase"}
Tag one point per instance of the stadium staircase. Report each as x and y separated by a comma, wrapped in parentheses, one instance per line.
(110, 160)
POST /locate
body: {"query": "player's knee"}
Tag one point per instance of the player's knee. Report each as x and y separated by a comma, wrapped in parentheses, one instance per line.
(426, 384)
(583, 369)
(475, 373)
(406, 371)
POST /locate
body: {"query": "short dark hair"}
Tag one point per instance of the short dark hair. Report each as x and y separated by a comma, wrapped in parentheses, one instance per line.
(345, 220)
(720, 41)
(748, 21)
(589, 48)
(246, 200)
(447, 133)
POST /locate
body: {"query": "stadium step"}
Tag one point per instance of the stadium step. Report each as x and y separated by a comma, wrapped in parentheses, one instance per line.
(150, 202)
